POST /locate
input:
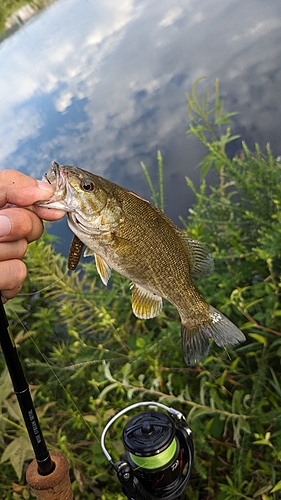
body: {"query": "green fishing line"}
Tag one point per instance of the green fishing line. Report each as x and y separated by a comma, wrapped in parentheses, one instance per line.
(157, 460)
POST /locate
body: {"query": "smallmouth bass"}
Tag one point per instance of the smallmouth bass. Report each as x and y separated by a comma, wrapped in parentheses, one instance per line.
(126, 233)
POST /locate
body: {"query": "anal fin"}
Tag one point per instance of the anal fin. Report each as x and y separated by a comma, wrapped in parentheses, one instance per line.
(145, 304)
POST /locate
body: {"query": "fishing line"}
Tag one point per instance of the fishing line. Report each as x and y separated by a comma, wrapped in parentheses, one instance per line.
(45, 287)
(156, 461)
(87, 425)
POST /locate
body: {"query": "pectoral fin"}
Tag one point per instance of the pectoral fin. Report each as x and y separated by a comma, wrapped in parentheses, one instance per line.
(200, 259)
(145, 304)
(88, 252)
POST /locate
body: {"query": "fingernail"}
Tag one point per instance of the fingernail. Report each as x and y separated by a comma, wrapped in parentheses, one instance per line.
(45, 186)
(5, 225)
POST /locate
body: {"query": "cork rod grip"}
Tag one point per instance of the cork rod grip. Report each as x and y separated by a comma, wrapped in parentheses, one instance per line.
(54, 486)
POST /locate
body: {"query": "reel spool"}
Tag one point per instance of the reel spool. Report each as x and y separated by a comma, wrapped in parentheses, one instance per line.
(159, 454)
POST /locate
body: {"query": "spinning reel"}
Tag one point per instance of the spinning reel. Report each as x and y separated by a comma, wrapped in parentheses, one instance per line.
(159, 454)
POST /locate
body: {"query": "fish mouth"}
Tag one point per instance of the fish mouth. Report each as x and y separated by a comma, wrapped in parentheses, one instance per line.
(76, 220)
(57, 177)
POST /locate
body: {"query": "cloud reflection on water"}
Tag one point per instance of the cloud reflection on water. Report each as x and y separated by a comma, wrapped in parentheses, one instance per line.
(102, 84)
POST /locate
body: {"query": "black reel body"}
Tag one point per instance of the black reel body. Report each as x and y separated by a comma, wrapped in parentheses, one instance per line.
(159, 455)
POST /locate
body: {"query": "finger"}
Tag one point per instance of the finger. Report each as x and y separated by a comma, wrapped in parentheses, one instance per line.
(13, 273)
(13, 249)
(50, 214)
(22, 190)
(23, 224)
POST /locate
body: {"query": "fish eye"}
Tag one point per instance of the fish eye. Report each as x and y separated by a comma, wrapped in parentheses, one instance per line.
(87, 185)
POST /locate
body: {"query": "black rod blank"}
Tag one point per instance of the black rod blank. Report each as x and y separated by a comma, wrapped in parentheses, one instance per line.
(21, 389)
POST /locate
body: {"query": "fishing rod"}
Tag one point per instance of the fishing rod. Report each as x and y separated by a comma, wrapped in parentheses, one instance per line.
(158, 447)
(48, 474)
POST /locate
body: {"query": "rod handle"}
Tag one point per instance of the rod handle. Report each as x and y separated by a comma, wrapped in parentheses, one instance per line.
(54, 486)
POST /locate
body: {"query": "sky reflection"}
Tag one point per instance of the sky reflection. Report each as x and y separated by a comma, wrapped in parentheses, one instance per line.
(102, 85)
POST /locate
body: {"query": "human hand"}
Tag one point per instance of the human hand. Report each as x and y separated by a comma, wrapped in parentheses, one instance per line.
(20, 223)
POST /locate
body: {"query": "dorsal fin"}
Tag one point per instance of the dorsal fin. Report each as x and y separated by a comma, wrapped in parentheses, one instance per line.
(200, 259)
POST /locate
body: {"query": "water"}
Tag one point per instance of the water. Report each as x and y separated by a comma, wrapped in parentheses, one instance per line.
(101, 84)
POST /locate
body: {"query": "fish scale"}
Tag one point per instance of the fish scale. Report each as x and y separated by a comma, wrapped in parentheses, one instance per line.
(168, 275)
(126, 233)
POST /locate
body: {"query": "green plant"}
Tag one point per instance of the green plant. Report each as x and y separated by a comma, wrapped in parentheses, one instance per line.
(9, 7)
(157, 197)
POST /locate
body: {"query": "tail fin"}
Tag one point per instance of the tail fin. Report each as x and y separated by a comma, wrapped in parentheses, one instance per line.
(195, 342)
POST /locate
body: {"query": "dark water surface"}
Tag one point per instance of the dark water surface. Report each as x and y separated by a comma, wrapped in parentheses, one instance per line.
(101, 84)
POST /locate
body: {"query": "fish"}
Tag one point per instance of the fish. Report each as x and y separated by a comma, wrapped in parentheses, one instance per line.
(126, 233)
